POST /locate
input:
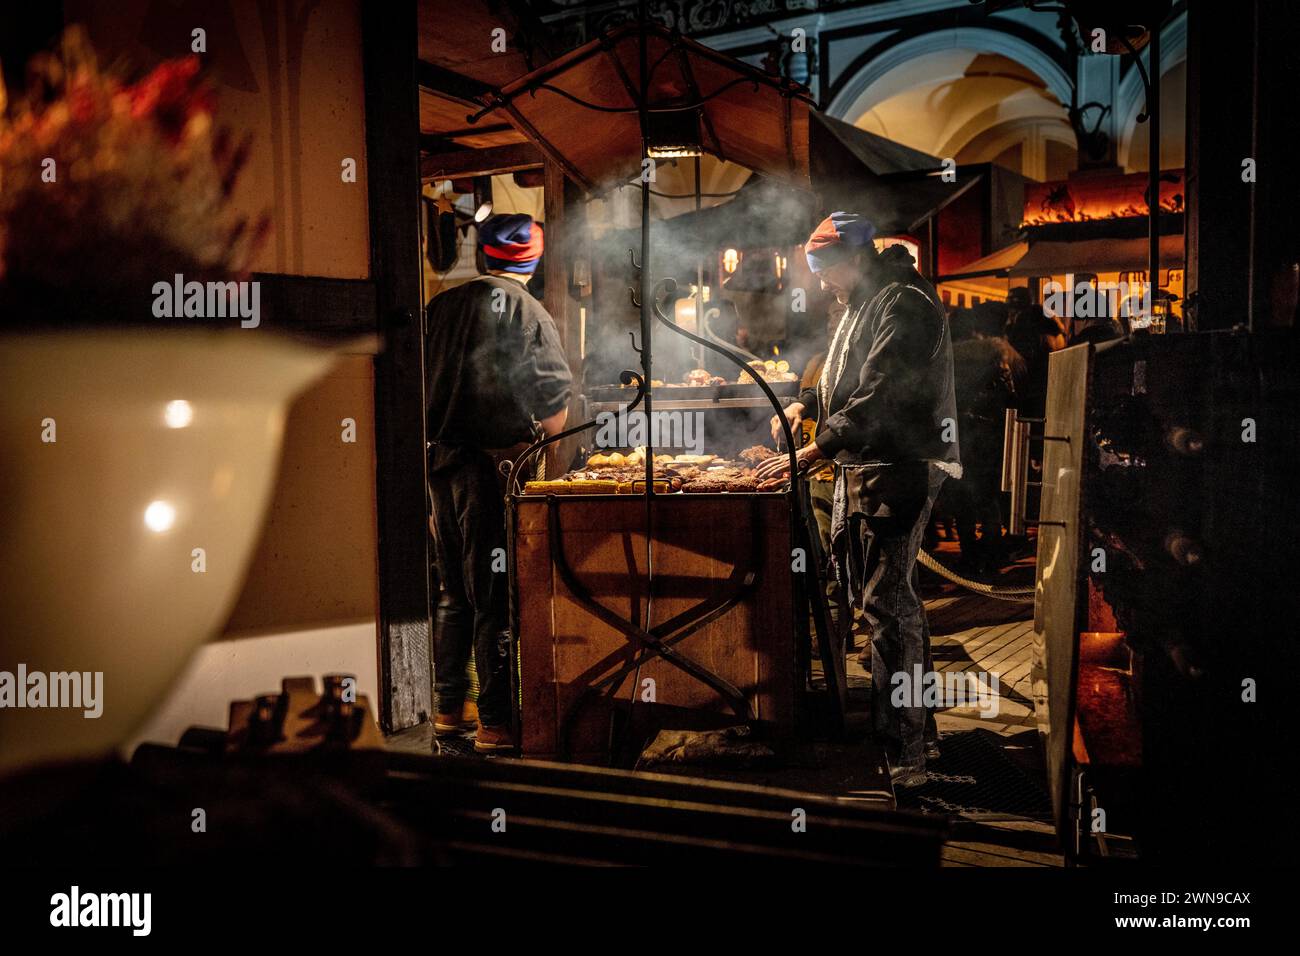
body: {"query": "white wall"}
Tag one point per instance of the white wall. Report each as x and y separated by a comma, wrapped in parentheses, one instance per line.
(241, 669)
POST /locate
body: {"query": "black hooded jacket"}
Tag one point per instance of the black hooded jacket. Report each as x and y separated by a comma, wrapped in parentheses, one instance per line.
(895, 399)
(493, 364)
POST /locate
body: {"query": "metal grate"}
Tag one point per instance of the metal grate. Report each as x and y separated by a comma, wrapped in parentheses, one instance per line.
(454, 746)
(975, 778)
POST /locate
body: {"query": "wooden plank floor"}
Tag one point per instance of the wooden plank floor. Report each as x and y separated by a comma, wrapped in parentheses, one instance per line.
(969, 633)
(973, 633)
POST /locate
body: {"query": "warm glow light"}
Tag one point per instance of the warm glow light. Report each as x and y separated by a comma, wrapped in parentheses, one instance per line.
(1081, 199)
(731, 260)
(672, 152)
(159, 516)
(178, 414)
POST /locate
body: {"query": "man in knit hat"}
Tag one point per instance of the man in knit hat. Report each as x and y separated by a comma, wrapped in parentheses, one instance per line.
(887, 415)
(495, 376)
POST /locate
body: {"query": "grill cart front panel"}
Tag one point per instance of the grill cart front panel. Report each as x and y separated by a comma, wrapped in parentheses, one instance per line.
(721, 601)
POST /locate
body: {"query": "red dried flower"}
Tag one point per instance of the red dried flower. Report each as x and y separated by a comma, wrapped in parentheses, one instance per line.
(171, 96)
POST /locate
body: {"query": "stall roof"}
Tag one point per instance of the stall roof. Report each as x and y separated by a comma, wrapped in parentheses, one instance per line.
(880, 155)
(582, 108)
(457, 38)
(997, 263)
(1094, 255)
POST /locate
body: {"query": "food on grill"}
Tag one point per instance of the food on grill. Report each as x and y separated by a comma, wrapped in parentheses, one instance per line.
(770, 371)
(623, 473)
(566, 486)
(698, 377)
(756, 453)
(636, 487)
(713, 483)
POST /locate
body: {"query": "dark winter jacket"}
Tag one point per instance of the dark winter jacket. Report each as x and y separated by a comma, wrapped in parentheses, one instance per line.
(894, 401)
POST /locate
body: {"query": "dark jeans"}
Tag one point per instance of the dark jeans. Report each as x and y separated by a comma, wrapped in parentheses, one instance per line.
(473, 611)
(880, 564)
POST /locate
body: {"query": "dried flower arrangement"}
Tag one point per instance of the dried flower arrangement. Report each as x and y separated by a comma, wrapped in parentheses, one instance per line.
(107, 188)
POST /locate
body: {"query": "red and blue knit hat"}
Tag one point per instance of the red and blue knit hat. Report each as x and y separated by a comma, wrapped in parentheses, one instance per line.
(511, 243)
(836, 238)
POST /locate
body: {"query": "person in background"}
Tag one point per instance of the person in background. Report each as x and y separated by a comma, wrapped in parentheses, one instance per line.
(988, 375)
(886, 413)
(1034, 335)
(495, 375)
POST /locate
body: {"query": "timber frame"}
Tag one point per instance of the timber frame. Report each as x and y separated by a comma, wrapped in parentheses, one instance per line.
(388, 36)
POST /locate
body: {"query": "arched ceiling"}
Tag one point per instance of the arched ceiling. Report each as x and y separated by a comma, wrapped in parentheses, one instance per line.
(939, 101)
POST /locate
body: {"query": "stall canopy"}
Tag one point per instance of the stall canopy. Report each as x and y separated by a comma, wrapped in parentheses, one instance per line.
(582, 108)
(996, 264)
(877, 154)
(1094, 255)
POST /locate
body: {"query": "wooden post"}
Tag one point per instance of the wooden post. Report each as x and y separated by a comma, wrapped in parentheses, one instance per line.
(565, 234)
(393, 177)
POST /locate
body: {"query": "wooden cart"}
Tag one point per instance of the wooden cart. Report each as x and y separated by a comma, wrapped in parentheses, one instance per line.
(720, 609)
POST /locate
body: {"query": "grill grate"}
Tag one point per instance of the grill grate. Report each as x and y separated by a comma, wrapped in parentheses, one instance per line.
(454, 746)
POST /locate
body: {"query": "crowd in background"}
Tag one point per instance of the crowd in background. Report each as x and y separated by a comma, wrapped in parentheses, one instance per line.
(999, 353)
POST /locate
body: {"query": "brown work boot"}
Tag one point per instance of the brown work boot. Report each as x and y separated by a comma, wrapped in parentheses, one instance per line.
(491, 740)
(452, 723)
(449, 724)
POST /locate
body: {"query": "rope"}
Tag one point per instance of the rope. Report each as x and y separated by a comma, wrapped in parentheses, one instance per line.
(1018, 595)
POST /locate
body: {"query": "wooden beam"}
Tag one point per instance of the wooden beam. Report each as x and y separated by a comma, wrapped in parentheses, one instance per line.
(445, 83)
(316, 306)
(466, 163)
(545, 146)
(392, 152)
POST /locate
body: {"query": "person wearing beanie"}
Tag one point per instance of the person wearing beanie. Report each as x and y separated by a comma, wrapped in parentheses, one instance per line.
(495, 377)
(886, 413)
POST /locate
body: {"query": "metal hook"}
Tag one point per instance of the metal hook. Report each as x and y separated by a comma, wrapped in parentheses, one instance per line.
(632, 335)
(631, 255)
(632, 294)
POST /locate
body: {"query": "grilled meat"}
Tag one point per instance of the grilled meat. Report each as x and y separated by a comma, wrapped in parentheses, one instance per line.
(756, 453)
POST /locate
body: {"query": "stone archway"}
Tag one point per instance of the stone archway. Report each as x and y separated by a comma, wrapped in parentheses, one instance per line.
(944, 99)
(976, 39)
